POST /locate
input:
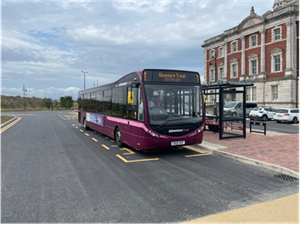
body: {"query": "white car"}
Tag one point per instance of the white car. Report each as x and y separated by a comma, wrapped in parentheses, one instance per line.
(287, 115)
(266, 113)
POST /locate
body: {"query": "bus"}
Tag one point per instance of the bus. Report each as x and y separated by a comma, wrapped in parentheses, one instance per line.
(146, 109)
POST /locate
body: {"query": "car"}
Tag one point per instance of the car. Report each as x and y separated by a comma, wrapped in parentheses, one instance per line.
(287, 115)
(266, 113)
(233, 108)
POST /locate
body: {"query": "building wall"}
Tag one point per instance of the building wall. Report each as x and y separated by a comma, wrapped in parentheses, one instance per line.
(265, 79)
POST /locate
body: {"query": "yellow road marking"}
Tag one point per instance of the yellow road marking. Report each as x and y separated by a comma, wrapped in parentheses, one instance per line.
(86, 134)
(129, 152)
(196, 150)
(94, 139)
(104, 146)
(61, 117)
(196, 155)
(10, 125)
(137, 160)
(81, 130)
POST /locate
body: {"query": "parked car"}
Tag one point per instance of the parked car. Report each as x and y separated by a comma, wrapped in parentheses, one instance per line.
(266, 113)
(287, 115)
(234, 108)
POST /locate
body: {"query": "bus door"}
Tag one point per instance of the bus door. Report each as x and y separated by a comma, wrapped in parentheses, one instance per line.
(131, 107)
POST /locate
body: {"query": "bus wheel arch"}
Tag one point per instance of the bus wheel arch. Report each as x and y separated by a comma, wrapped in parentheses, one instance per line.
(118, 137)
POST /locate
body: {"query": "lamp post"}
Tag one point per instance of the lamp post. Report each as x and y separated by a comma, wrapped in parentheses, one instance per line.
(24, 92)
(210, 64)
(84, 72)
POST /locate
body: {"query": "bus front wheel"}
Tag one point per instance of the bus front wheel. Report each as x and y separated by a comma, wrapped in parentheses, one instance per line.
(118, 137)
(84, 124)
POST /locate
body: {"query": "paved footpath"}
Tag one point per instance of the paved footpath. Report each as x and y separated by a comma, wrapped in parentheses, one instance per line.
(278, 149)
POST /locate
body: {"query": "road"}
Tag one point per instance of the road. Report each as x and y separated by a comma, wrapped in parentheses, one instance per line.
(53, 171)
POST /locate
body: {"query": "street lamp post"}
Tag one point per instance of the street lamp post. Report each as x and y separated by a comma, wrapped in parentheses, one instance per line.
(84, 72)
(24, 92)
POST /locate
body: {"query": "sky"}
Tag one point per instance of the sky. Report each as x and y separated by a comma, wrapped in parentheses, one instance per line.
(46, 44)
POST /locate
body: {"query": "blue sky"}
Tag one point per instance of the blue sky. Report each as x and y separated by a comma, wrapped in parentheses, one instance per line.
(47, 43)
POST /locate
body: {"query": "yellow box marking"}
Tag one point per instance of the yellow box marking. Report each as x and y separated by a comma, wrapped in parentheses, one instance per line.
(129, 152)
(137, 160)
(202, 153)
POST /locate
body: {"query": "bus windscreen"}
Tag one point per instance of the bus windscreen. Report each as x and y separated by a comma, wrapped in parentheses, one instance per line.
(169, 76)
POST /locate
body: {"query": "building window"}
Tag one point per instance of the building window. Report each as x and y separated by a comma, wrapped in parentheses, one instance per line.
(253, 64)
(211, 54)
(253, 67)
(253, 40)
(212, 75)
(234, 70)
(274, 92)
(276, 63)
(276, 34)
(251, 94)
(276, 60)
(221, 72)
(221, 52)
(234, 46)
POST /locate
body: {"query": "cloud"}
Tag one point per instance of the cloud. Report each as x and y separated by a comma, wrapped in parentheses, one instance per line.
(46, 44)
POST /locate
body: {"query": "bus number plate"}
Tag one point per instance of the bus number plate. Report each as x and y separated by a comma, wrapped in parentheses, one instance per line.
(174, 143)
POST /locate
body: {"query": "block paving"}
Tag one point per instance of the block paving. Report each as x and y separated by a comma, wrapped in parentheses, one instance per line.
(281, 150)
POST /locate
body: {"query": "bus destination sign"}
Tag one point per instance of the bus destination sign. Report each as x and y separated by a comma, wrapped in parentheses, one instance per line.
(171, 76)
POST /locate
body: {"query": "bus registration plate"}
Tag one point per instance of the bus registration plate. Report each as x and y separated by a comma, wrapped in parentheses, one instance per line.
(174, 143)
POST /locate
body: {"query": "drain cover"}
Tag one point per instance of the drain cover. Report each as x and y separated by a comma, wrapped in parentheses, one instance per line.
(285, 177)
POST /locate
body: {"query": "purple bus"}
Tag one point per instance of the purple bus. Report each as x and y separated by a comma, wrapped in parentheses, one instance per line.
(147, 109)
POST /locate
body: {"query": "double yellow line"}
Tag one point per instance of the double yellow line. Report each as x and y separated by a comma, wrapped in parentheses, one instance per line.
(10, 125)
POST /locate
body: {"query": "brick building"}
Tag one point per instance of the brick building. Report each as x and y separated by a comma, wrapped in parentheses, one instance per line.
(263, 50)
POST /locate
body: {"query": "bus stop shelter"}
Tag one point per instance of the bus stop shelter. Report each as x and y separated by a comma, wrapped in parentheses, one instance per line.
(219, 97)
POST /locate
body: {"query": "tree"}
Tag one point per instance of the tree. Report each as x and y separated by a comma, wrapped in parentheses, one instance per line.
(46, 102)
(66, 101)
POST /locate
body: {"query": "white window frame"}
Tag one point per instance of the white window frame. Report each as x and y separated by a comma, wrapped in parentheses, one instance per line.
(211, 54)
(276, 52)
(251, 94)
(221, 75)
(233, 62)
(212, 74)
(254, 66)
(221, 51)
(253, 57)
(251, 44)
(234, 43)
(276, 37)
(274, 91)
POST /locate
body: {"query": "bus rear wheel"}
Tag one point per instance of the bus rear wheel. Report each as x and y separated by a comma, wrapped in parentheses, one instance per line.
(118, 137)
